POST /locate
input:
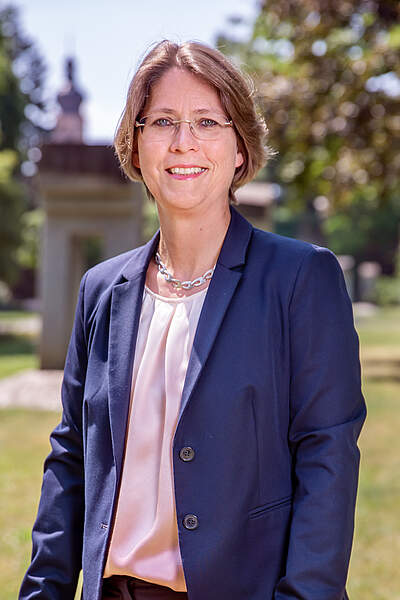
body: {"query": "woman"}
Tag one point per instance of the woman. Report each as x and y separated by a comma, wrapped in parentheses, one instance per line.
(211, 393)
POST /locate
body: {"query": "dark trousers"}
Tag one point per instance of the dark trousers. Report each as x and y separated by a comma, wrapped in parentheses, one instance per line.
(121, 587)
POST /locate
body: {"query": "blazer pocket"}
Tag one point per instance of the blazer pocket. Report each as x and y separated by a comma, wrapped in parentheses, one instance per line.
(270, 506)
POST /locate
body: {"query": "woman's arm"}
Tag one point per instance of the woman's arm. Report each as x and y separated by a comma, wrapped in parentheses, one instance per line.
(58, 530)
(327, 412)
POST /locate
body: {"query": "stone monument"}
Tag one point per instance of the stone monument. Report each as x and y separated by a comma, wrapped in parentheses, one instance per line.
(92, 212)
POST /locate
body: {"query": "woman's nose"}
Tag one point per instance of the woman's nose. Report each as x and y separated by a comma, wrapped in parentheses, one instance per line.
(183, 139)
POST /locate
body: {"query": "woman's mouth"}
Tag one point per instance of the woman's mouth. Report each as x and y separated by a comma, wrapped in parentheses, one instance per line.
(186, 172)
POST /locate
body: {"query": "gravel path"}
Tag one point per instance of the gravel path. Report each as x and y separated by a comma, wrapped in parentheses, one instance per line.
(24, 326)
(41, 389)
(32, 389)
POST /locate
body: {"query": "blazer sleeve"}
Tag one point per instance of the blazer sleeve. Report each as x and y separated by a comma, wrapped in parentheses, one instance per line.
(58, 530)
(327, 413)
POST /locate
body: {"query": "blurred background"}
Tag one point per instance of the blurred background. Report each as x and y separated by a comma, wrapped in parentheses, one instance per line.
(327, 80)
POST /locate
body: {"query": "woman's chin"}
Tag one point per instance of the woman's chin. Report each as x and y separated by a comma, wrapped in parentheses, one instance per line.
(187, 200)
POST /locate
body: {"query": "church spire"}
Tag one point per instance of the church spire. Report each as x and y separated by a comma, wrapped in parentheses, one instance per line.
(69, 127)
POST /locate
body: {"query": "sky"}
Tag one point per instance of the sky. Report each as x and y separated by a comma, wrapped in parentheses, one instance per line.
(108, 38)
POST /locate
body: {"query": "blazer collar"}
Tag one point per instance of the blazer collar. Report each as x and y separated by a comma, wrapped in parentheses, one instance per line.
(138, 263)
(233, 251)
(218, 298)
(125, 314)
(234, 248)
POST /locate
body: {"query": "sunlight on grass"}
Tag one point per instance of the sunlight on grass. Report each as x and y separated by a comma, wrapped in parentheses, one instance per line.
(374, 564)
(23, 447)
(12, 315)
(9, 365)
(380, 330)
(24, 444)
(17, 353)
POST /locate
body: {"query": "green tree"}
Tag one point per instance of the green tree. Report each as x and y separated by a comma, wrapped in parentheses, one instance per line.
(327, 75)
(21, 108)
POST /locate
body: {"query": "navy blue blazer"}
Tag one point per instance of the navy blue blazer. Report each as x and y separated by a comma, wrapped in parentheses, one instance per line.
(271, 406)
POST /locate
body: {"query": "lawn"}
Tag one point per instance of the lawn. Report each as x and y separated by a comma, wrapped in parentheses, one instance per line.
(374, 567)
(17, 353)
(16, 315)
(23, 446)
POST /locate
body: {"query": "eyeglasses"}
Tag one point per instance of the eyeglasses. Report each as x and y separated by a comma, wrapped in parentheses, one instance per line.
(157, 127)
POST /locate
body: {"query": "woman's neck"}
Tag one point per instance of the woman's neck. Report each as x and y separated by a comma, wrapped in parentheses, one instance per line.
(188, 248)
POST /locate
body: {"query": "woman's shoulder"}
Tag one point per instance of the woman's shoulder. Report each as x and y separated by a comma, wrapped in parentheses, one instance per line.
(291, 259)
(111, 267)
(282, 247)
(103, 276)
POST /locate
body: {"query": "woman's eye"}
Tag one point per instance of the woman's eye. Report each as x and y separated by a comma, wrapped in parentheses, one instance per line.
(162, 122)
(208, 123)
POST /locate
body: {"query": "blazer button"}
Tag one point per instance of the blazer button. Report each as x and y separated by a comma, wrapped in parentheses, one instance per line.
(186, 454)
(191, 522)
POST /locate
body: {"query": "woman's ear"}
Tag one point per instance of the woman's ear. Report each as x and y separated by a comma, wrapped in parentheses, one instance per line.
(239, 159)
(240, 154)
(135, 160)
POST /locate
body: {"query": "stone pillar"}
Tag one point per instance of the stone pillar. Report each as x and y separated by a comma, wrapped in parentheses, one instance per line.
(368, 273)
(347, 263)
(85, 199)
(255, 200)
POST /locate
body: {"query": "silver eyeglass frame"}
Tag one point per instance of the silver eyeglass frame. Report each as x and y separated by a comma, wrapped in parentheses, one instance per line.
(176, 122)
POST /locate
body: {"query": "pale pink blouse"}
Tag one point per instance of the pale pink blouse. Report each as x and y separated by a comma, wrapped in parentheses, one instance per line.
(144, 540)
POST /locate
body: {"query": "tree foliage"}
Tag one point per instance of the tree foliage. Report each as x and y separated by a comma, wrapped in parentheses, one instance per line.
(21, 104)
(327, 74)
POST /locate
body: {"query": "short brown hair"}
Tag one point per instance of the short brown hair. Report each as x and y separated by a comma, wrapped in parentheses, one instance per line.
(235, 92)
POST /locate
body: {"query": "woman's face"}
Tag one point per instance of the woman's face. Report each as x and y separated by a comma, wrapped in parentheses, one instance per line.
(181, 95)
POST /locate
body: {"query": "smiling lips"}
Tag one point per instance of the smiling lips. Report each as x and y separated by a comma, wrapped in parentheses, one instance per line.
(186, 172)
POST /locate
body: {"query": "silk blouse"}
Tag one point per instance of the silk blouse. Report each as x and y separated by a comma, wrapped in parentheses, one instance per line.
(144, 542)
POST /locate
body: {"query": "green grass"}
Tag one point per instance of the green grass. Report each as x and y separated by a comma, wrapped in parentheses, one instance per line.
(380, 330)
(14, 315)
(374, 565)
(23, 446)
(17, 353)
(380, 345)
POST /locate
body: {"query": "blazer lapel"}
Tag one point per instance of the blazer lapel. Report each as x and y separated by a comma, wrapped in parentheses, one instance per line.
(126, 304)
(219, 295)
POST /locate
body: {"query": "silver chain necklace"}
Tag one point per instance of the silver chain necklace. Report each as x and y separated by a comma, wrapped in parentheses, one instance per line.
(176, 283)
